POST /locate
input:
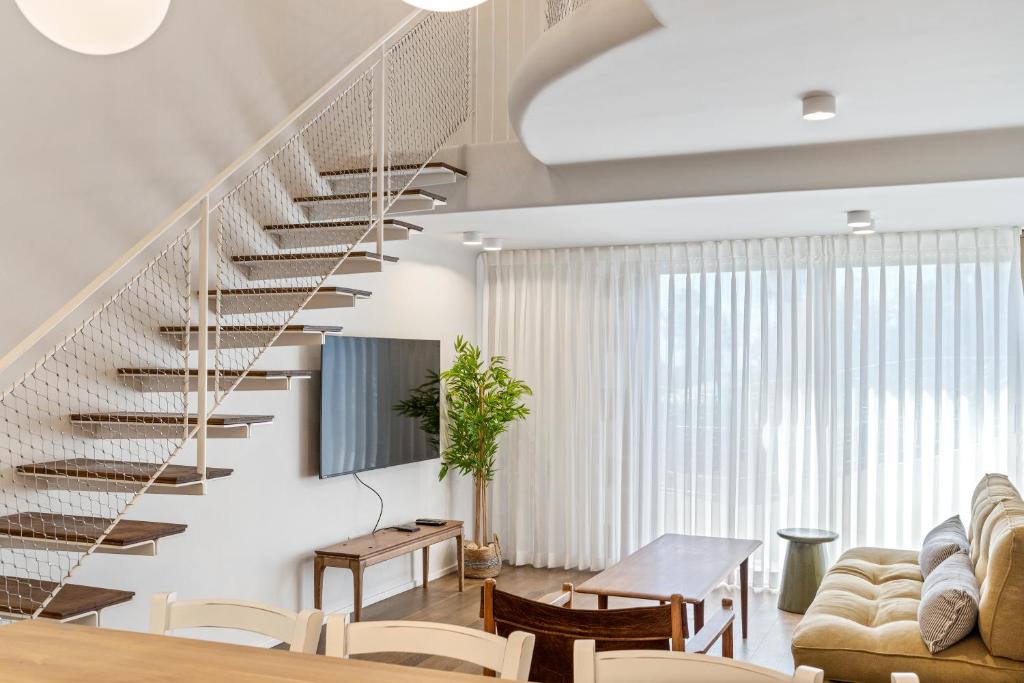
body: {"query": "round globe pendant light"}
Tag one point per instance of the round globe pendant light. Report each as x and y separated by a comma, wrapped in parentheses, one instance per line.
(444, 5)
(95, 27)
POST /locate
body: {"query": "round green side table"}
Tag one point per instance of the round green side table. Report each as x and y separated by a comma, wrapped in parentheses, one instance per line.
(806, 562)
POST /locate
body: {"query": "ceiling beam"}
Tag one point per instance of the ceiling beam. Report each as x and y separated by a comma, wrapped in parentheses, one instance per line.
(505, 176)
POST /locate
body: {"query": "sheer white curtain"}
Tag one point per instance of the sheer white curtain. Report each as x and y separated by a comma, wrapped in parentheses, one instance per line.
(859, 384)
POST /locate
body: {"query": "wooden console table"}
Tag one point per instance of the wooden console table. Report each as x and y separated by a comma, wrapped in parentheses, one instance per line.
(356, 554)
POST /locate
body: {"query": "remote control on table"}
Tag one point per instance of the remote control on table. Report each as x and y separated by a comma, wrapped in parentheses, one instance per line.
(427, 521)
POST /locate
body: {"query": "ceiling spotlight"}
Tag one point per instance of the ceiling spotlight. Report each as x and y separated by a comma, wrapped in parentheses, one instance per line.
(859, 218)
(868, 229)
(819, 106)
(444, 5)
(471, 238)
(95, 27)
(492, 244)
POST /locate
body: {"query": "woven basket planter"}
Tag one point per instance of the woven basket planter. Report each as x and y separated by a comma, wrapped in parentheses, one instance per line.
(482, 561)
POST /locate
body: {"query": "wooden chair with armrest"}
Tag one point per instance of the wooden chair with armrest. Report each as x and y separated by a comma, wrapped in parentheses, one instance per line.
(557, 625)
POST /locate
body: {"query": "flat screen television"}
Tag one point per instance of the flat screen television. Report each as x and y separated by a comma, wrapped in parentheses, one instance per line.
(362, 381)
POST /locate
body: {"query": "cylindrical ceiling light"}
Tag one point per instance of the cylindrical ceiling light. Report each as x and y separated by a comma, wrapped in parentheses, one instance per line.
(95, 27)
(819, 106)
(444, 5)
(471, 238)
(860, 222)
(858, 218)
(492, 244)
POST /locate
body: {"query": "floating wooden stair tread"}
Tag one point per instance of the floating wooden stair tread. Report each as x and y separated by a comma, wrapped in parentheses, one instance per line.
(118, 471)
(337, 233)
(310, 264)
(22, 596)
(163, 425)
(336, 207)
(170, 419)
(434, 173)
(79, 529)
(164, 379)
(270, 299)
(253, 336)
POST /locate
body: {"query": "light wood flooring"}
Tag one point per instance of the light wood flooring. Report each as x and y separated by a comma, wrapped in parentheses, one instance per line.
(767, 644)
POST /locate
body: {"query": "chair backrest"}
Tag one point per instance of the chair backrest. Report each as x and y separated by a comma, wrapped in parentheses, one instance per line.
(590, 666)
(510, 657)
(301, 631)
(557, 628)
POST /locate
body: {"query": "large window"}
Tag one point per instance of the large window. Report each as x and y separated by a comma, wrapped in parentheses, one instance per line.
(858, 384)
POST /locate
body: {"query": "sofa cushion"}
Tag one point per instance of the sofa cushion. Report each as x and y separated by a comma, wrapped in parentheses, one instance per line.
(949, 603)
(863, 625)
(1000, 572)
(990, 490)
(945, 540)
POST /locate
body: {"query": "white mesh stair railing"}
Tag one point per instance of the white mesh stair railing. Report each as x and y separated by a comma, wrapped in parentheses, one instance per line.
(560, 9)
(97, 422)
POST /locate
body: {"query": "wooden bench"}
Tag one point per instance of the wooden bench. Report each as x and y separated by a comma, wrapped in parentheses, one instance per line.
(356, 554)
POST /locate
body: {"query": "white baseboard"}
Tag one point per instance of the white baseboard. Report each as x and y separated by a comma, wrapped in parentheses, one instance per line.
(370, 599)
(388, 592)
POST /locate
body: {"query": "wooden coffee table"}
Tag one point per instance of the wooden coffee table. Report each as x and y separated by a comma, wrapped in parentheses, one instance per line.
(674, 564)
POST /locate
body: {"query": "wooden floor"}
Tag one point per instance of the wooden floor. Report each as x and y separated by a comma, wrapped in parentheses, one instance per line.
(767, 645)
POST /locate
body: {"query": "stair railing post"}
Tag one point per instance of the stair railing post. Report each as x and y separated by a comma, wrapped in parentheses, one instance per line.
(380, 144)
(203, 337)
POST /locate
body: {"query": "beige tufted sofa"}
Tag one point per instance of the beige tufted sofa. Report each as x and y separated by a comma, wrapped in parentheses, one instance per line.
(862, 624)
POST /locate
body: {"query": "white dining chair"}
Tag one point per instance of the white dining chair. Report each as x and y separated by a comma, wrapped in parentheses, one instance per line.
(509, 657)
(658, 666)
(301, 631)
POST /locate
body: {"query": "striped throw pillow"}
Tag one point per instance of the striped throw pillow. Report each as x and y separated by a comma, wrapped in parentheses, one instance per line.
(944, 540)
(949, 603)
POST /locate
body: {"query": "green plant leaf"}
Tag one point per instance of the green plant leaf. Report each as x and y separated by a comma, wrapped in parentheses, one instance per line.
(481, 400)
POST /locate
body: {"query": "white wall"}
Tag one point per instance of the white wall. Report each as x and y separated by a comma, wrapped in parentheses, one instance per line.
(98, 150)
(252, 537)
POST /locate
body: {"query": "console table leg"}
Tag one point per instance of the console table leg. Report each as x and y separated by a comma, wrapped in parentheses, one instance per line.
(426, 566)
(357, 589)
(460, 560)
(318, 582)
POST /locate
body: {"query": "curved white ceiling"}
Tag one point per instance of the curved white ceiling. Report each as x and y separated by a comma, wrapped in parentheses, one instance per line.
(616, 81)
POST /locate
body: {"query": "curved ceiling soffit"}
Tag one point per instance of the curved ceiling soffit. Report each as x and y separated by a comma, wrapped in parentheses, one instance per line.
(596, 28)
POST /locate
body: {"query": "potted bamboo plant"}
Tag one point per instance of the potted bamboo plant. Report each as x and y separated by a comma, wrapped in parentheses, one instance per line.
(481, 400)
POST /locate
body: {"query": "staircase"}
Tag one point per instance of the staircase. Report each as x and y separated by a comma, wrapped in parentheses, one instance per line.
(97, 422)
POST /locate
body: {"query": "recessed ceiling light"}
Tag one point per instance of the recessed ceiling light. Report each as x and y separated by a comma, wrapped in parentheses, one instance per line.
(95, 27)
(444, 5)
(471, 238)
(819, 106)
(492, 244)
(858, 218)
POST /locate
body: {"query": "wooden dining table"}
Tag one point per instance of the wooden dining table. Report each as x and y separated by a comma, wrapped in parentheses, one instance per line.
(677, 564)
(46, 651)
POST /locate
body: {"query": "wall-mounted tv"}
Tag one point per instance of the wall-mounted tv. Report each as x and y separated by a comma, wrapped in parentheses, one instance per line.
(363, 379)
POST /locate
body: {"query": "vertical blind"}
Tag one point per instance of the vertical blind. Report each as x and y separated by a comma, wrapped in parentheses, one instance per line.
(858, 384)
